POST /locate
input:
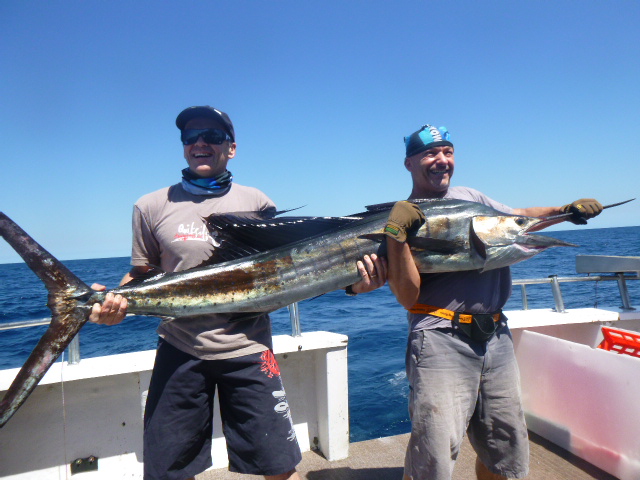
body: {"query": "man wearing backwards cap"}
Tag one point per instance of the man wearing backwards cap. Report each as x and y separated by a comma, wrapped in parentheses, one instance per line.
(462, 379)
(197, 354)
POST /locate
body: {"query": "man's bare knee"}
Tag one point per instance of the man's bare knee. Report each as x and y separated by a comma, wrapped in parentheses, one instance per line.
(291, 475)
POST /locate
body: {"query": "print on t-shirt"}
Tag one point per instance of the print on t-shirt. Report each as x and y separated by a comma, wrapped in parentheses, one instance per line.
(191, 231)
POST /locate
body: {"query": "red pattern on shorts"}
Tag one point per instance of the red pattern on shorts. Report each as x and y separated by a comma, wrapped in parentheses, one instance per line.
(269, 364)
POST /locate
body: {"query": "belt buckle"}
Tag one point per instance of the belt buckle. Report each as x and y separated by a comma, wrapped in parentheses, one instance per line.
(462, 318)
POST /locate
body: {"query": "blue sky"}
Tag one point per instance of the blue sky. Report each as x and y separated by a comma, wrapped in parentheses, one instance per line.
(541, 99)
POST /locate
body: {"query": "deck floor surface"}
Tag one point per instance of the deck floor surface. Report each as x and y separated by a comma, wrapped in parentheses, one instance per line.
(383, 459)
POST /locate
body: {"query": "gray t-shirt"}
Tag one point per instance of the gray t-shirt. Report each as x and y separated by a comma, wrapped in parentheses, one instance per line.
(169, 232)
(470, 291)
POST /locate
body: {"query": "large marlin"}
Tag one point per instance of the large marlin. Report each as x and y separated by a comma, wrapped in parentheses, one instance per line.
(264, 264)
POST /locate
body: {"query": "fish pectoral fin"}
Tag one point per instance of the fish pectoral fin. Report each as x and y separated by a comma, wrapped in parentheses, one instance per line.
(435, 245)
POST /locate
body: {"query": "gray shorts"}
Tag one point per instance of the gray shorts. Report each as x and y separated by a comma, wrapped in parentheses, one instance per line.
(459, 385)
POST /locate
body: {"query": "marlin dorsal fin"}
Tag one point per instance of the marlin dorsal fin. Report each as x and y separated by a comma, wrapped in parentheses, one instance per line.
(246, 233)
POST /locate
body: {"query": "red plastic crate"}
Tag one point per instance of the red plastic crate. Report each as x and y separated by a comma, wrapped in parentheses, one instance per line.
(621, 341)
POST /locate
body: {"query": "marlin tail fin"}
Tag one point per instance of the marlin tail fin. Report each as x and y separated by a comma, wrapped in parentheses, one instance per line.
(69, 312)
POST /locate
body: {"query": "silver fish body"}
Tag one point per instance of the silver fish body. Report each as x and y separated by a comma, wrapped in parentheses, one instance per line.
(456, 236)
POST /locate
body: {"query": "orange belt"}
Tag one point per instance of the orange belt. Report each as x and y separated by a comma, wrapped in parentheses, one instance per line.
(448, 314)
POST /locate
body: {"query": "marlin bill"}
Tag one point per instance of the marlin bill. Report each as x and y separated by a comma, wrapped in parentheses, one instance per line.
(264, 263)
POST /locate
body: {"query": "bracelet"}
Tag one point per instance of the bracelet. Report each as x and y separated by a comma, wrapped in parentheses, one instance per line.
(349, 291)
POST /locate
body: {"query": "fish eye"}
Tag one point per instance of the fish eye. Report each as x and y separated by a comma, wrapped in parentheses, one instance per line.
(520, 221)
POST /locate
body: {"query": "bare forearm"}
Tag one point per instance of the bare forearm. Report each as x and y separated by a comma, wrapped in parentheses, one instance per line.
(403, 276)
(578, 212)
(538, 211)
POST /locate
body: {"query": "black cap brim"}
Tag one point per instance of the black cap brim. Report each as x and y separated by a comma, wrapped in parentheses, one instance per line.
(205, 112)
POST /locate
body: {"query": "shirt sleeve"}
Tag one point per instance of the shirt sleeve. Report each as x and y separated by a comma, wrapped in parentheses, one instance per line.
(471, 194)
(267, 204)
(145, 249)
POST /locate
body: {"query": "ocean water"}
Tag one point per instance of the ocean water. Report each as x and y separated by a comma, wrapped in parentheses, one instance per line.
(375, 323)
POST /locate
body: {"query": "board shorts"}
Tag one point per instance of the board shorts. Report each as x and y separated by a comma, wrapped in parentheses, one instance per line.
(178, 420)
(458, 385)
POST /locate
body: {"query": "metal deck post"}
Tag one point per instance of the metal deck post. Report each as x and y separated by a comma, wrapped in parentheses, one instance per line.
(557, 294)
(294, 315)
(624, 293)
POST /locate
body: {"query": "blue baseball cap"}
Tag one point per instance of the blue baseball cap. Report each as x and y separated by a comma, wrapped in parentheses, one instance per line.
(427, 137)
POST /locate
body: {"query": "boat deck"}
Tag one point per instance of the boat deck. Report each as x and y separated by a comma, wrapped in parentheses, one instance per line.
(383, 458)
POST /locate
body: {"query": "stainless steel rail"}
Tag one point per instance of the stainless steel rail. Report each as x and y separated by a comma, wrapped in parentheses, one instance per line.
(555, 282)
(74, 347)
(294, 314)
(73, 351)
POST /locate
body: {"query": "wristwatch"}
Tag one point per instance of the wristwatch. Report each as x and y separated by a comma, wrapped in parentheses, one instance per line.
(349, 291)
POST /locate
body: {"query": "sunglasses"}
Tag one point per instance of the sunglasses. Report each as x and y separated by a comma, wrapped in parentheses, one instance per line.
(214, 136)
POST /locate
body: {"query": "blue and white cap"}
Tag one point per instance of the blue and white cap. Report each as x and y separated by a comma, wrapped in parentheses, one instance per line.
(427, 137)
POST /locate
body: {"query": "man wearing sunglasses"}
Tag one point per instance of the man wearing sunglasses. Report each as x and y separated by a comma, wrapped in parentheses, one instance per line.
(460, 360)
(199, 354)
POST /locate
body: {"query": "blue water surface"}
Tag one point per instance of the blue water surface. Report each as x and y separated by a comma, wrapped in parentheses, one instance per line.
(375, 324)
